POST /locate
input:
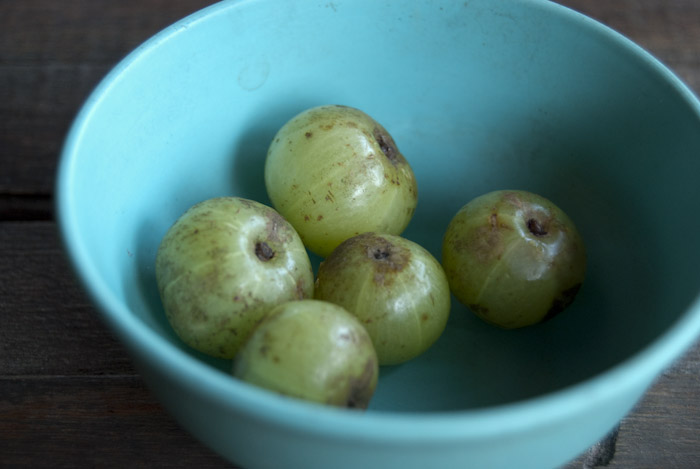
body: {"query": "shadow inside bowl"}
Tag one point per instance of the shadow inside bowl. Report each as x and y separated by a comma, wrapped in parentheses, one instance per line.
(245, 167)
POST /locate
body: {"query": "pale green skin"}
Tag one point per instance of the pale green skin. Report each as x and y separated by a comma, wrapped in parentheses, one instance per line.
(396, 288)
(505, 273)
(328, 174)
(311, 350)
(213, 285)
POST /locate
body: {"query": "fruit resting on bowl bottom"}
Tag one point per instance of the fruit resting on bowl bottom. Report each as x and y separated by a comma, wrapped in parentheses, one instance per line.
(311, 350)
(514, 258)
(222, 265)
(396, 288)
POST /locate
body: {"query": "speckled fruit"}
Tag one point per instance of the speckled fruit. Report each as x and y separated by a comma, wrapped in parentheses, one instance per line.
(395, 287)
(223, 265)
(311, 350)
(514, 258)
(334, 172)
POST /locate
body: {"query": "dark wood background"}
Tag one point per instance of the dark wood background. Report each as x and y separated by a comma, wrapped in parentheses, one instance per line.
(69, 395)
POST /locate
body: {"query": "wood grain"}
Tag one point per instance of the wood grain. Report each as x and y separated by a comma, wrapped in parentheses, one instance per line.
(68, 389)
(69, 395)
(52, 54)
(668, 30)
(100, 421)
(47, 325)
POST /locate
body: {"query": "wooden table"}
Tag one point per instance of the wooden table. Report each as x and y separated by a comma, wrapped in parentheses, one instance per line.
(69, 396)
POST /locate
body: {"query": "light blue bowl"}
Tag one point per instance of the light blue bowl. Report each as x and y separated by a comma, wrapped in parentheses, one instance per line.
(479, 95)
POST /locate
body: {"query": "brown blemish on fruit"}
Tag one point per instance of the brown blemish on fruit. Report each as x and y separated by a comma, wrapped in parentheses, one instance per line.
(319, 218)
(512, 198)
(424, 317)
(561, 302)
(386, 258)
(198, 315)
(307, 218)
(277, 227)
(494, 221)
(308, 134)
(361, 388)
(300, 289)
(216, 251)
(485, 243)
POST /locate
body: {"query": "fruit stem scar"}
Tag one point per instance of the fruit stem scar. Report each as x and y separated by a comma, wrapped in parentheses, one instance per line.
(536, 227)
(381, 253)
(264, 251)
(387, 145)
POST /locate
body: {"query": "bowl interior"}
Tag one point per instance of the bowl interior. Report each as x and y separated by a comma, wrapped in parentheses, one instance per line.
(479, 95)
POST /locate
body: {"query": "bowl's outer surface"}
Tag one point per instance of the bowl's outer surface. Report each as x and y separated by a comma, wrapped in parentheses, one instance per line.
(479, 95)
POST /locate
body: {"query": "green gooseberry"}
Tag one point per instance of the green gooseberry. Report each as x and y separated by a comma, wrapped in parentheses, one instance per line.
(311, 350)
(514, 258)
(395, 287)
(222, 266)
(334, 172)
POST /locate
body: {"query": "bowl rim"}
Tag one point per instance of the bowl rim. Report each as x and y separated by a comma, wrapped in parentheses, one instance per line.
(635, 372)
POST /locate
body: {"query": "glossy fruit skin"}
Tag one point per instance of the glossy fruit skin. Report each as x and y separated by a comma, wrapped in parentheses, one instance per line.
(334, 172)
(311, 350)
(514, 258)
(223, 265)
(396, 288)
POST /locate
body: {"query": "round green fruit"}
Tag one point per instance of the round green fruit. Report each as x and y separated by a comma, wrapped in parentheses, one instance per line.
(334, 172)
(311, 350)
(223, 265)
(396, 289)
(514, 258)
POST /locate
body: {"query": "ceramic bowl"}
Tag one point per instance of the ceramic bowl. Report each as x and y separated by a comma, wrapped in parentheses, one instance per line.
(479, 95)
